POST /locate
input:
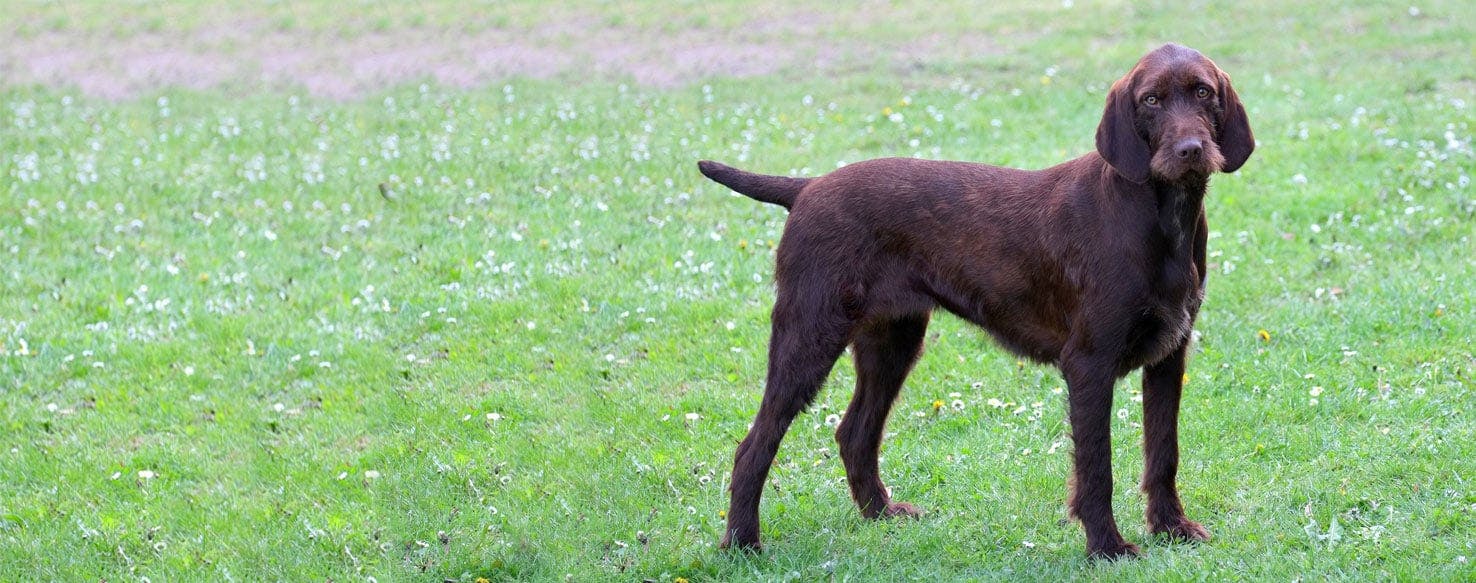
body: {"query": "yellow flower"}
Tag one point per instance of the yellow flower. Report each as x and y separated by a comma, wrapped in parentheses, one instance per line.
(483, 580)
(743, 243)
(1185, 381)
(1263, 335)
(886, 111)
(722, 514)
(679, 580)
(937, 404)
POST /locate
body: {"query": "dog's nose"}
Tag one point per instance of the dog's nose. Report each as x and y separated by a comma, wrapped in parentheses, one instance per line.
(1189, 149)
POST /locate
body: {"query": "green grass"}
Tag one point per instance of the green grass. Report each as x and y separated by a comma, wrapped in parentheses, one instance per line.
(216, 291)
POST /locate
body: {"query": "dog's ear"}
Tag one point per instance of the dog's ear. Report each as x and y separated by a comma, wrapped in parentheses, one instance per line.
(1118, 140)
(1235, 139)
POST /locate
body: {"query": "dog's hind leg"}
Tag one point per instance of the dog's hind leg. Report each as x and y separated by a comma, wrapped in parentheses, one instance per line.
(884, 353)
(810, 330)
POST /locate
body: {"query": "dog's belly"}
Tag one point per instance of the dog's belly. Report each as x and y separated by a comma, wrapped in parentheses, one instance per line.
(1033, 318)
(1020, 319)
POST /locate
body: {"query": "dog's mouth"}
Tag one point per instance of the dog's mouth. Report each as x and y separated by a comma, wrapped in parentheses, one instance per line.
(1189, 157)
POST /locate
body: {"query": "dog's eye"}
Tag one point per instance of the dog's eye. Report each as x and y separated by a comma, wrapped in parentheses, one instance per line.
(1150, 100)
(1202, 93)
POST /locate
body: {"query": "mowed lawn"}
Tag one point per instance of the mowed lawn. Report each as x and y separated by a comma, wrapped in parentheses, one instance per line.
(504, 330)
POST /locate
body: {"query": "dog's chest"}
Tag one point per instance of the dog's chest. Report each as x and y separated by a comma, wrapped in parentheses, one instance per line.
(1166, 312)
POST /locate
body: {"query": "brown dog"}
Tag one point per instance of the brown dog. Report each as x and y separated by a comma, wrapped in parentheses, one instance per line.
(1096, 265)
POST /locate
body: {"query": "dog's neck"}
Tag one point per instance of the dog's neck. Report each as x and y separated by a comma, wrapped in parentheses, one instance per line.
(1179, 205)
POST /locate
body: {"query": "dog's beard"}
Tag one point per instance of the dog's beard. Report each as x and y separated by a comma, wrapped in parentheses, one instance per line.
(1166, 165)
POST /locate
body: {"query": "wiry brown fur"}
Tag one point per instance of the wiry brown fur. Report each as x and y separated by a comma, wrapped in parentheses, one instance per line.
(1096, 265)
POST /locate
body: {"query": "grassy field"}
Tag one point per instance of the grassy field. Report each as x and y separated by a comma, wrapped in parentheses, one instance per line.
(505, 330)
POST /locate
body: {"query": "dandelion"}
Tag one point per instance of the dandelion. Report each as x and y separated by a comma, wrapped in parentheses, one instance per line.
(371, 474)
(1315, 391)
(147, 474)
(937, 404)
(722, 514)
(1263, 335)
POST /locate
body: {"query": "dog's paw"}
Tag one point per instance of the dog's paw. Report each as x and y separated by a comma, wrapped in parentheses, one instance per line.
(903, 510)
(1184, 530)
(1113, 552)
(740, 544)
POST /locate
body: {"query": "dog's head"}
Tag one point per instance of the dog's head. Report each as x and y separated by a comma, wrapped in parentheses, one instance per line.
(1173, 117)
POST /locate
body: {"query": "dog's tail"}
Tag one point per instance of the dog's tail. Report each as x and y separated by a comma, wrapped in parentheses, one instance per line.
(780, 190)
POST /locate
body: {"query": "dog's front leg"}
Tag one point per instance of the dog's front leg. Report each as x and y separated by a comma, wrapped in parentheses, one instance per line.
(1162, 384)
(1090, 376)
